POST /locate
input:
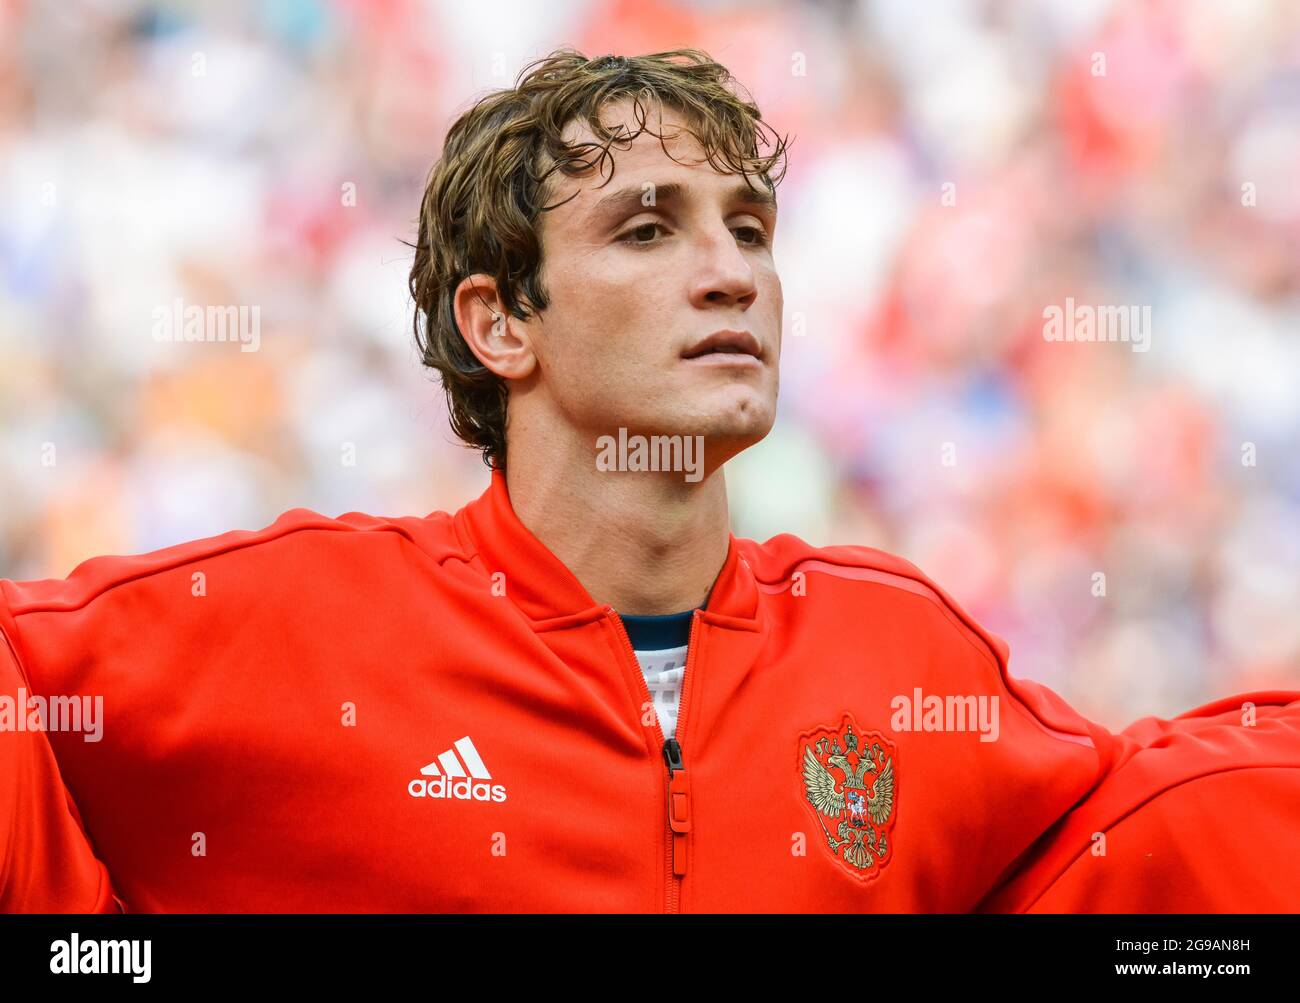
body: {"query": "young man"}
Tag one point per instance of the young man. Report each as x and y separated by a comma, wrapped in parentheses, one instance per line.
(449, 713)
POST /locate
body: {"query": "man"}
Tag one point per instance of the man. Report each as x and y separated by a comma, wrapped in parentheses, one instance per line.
(458, 712)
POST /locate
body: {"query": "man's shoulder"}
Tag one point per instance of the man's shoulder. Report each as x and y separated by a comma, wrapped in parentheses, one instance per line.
(300, 543)
(786, 563)
(854, 577)
(852, 592)
(784, 555)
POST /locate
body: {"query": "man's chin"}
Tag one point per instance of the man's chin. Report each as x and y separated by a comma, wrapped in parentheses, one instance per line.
(728, 437)
(745, 419)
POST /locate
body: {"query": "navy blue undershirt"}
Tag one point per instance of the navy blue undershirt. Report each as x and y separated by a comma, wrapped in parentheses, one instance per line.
(651, 633)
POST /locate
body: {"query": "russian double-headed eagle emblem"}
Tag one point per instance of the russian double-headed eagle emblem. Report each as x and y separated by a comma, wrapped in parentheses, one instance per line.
(848, 782)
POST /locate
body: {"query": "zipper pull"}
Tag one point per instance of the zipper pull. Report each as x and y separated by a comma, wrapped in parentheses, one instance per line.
(679, 804)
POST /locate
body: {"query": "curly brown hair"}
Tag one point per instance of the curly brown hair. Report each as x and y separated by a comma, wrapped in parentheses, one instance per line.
(484, 196)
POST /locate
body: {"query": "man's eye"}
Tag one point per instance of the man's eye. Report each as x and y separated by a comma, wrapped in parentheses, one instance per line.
(644, 235)
(646, 230)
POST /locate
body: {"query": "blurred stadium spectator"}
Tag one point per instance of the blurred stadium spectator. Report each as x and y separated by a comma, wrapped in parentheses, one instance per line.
(956, 169)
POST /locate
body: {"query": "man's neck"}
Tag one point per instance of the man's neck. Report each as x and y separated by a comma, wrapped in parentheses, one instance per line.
(646, 543)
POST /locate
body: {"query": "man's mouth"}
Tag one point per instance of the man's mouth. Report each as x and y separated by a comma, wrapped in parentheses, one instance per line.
(726, 347)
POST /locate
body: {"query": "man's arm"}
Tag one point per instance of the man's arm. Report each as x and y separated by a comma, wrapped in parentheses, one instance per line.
(46, 862)
(1199, 813)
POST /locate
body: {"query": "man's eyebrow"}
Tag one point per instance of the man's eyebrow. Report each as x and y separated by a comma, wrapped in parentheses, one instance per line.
(629, 199)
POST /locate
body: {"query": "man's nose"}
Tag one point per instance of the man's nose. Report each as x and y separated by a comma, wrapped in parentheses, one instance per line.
(722, 273)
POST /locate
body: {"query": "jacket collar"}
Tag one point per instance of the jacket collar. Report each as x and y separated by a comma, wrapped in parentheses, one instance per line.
(542, 587)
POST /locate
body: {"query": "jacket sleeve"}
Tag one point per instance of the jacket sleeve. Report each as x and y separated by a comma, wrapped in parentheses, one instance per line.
(1199, 813)
(47, 864)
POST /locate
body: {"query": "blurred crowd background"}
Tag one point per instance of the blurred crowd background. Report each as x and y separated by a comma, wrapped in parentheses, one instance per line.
(956, 167)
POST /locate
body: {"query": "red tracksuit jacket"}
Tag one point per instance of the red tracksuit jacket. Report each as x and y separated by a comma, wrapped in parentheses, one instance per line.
(432, 714)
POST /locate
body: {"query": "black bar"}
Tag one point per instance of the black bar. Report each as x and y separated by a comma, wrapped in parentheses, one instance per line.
(437, 952)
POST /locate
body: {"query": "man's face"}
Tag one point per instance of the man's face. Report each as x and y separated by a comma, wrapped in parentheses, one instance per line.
(639, 273)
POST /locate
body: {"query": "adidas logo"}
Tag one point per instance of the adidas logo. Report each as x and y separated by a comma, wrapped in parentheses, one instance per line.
(450, 778)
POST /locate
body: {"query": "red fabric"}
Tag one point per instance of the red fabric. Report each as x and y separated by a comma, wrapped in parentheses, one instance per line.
(224, 730)
(46, 862)
(1199, 814)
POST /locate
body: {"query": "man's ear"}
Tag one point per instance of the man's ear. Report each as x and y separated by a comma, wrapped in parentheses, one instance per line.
(498, 341)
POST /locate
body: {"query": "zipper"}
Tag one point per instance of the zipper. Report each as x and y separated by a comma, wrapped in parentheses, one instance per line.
(677, 790)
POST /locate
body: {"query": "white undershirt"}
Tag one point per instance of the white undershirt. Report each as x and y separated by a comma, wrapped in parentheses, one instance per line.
(664, 669)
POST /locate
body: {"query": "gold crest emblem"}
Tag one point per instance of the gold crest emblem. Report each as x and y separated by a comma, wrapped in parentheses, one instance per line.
(848, 782)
